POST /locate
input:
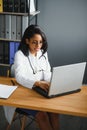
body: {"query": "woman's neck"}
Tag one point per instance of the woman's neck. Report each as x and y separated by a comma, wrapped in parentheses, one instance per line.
(34, 54)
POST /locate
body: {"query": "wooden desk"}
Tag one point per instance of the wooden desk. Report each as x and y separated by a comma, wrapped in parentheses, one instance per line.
(73, 104)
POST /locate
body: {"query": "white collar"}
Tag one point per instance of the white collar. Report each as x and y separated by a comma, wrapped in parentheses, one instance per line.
(39, 53)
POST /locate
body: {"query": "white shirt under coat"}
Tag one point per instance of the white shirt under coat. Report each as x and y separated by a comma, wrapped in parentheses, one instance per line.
(24, 72)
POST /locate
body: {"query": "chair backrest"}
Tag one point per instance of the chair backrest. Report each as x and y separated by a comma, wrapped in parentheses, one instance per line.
(11, 71)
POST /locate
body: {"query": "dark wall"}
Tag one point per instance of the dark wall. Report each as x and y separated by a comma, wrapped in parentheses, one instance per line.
(65, 24)
(4, 69)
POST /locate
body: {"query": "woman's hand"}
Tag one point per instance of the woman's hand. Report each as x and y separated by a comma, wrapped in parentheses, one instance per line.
(43, 84)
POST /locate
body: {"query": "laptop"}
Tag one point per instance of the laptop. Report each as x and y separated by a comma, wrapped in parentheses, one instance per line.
(65, 79)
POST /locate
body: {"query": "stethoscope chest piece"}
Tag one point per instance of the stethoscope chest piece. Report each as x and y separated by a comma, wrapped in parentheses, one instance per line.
(35, 70)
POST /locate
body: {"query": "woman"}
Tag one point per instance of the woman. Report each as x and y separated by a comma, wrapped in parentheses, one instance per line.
(32, 68)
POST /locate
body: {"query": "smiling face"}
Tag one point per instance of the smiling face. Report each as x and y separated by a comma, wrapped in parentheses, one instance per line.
(35, 43)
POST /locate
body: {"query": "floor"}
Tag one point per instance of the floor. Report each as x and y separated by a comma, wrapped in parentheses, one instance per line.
(66, 123)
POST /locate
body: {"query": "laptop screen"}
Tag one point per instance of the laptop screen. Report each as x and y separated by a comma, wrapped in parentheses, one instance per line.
(67, 78)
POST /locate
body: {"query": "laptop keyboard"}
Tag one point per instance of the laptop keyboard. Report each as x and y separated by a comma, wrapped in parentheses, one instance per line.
(41, 91)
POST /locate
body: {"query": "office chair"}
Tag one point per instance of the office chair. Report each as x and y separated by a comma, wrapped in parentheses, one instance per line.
(19, 113)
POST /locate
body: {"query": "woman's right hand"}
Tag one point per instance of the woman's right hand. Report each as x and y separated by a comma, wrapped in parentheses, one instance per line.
(43, 84)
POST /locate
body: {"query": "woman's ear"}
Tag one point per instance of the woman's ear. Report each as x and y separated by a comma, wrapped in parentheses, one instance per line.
(27, 41)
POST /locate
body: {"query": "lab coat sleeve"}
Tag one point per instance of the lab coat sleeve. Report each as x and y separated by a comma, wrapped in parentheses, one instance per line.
(22, 73)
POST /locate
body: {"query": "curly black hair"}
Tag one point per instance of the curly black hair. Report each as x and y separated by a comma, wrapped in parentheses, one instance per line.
(29, 33)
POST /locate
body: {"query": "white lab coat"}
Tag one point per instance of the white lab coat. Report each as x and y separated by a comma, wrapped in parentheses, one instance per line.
(24, 72)
(9, 112)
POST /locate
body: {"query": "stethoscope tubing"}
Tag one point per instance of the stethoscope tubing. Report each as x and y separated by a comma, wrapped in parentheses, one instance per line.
(32, 66)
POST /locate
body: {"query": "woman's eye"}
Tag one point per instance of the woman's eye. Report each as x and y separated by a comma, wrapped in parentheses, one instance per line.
(36, 42)
(41, 42)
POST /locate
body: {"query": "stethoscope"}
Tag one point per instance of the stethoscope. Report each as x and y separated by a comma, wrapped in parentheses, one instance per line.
(35, 71)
